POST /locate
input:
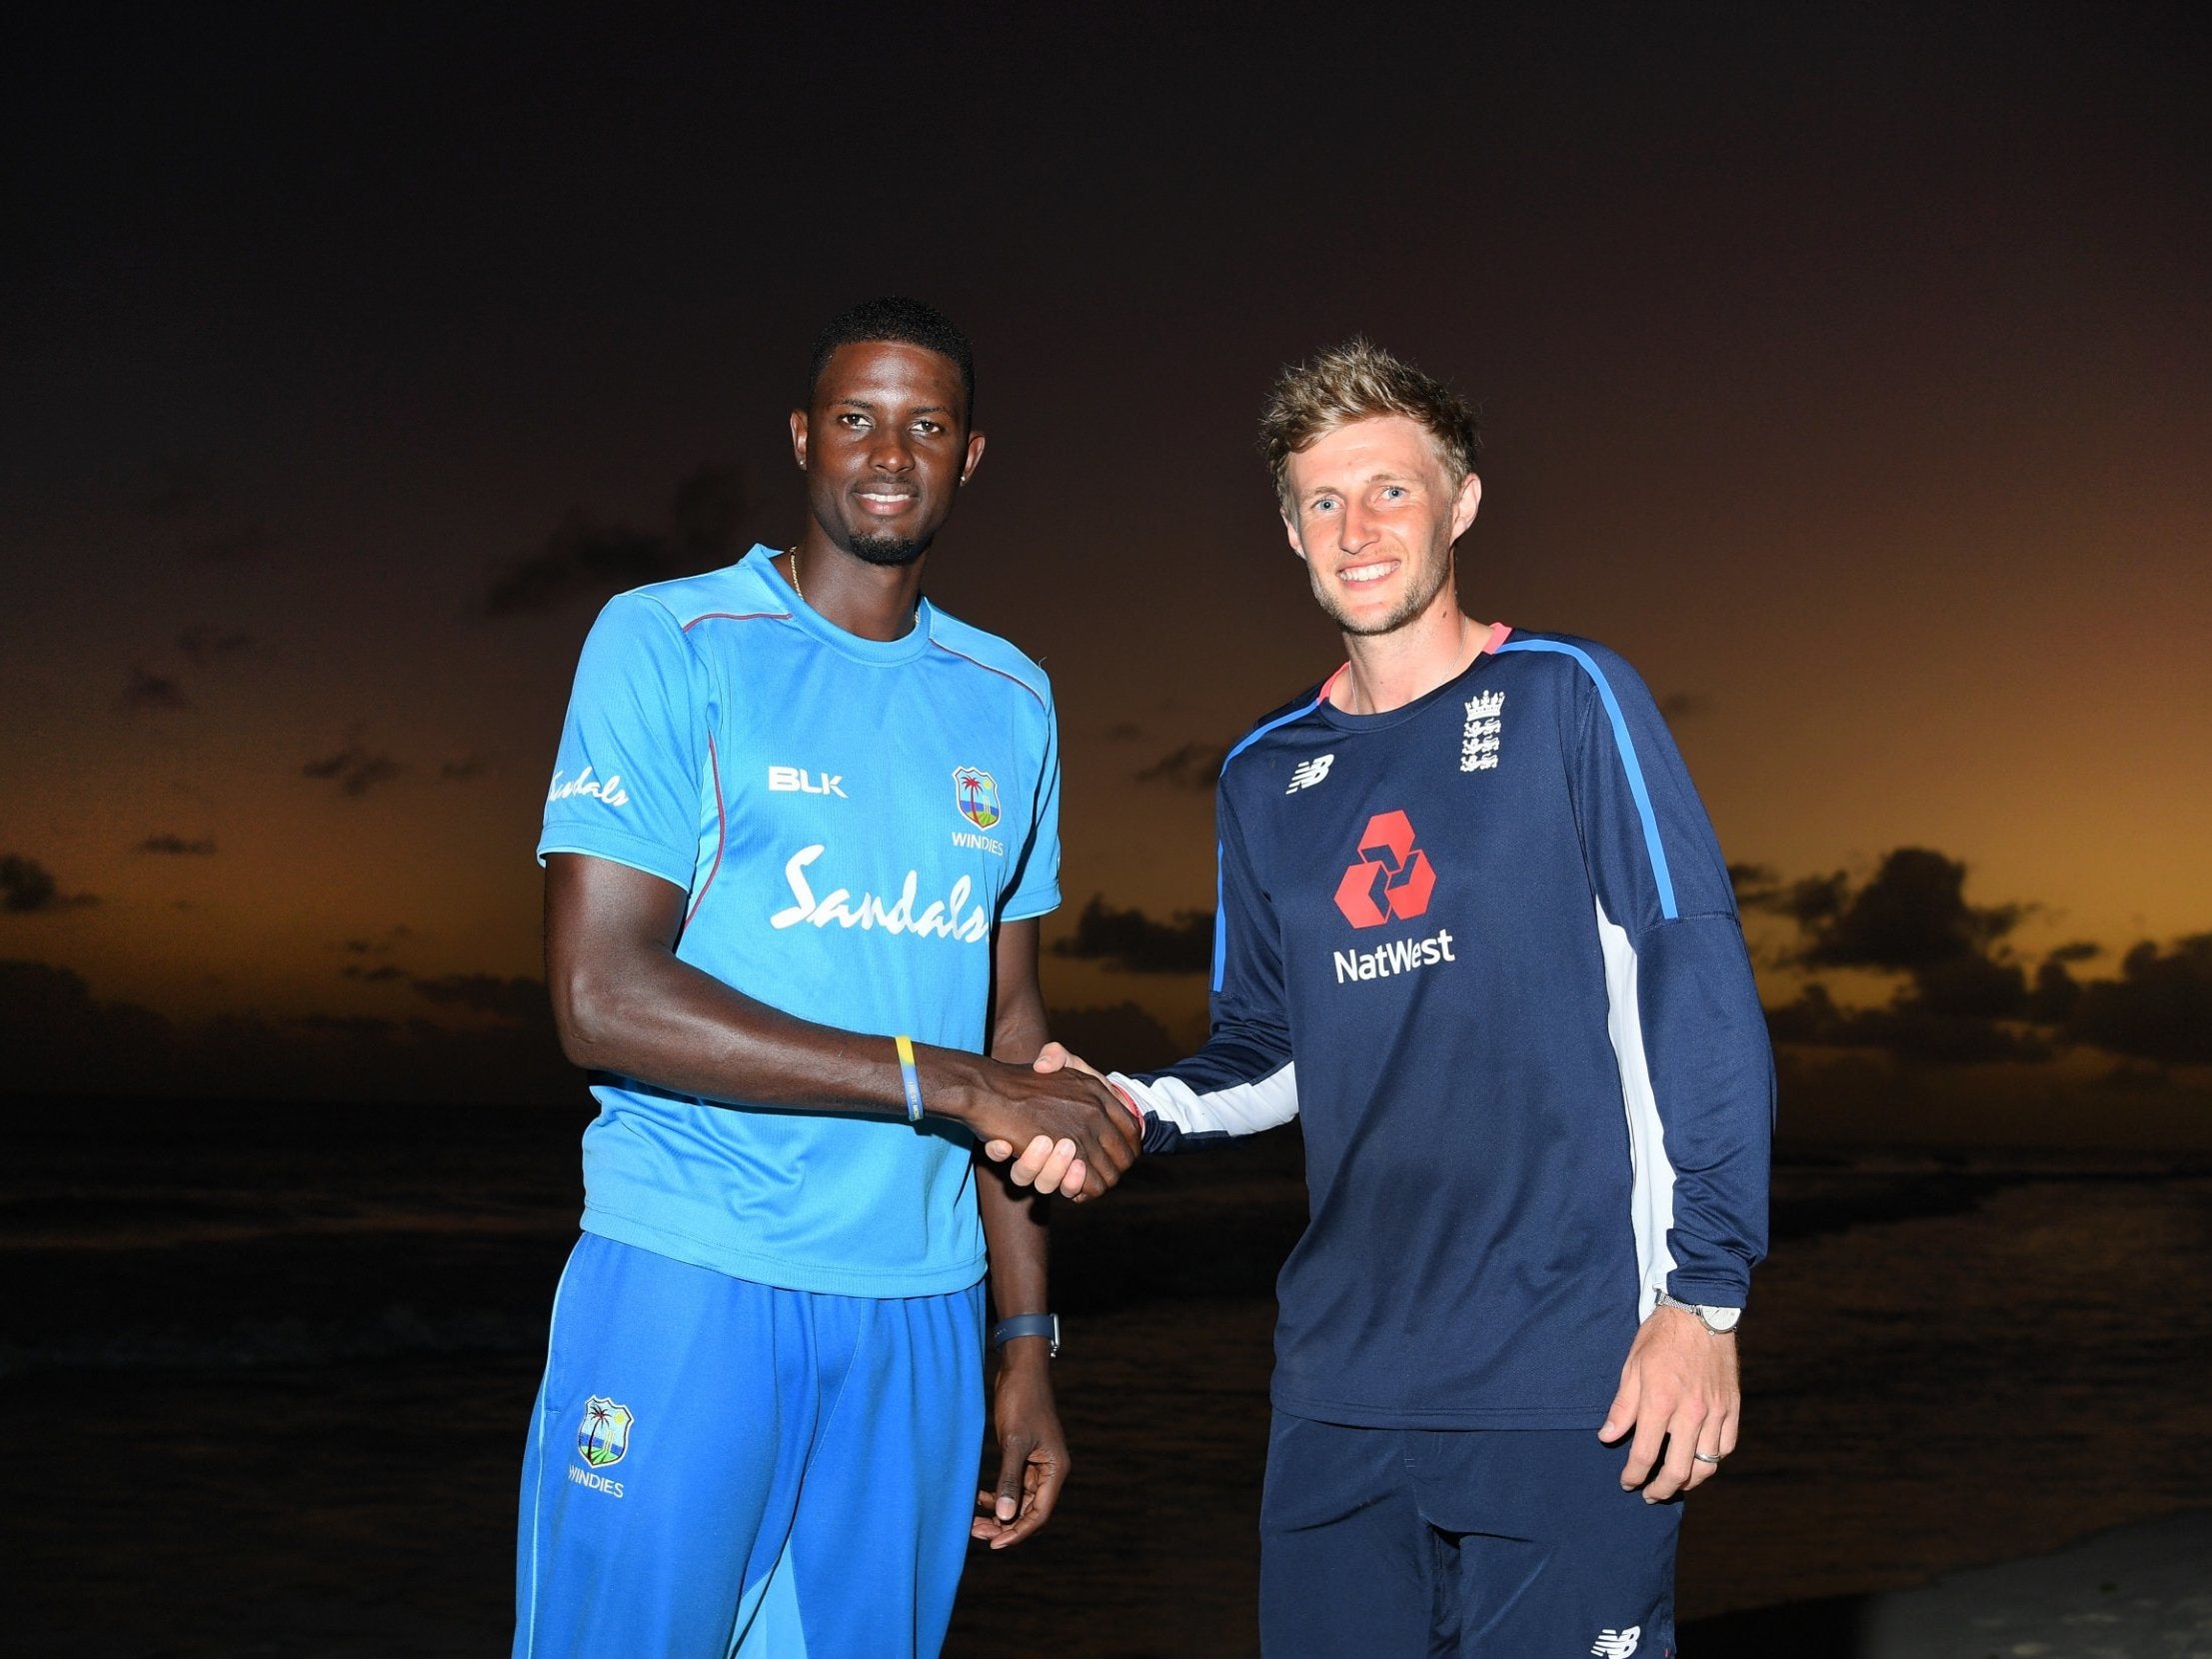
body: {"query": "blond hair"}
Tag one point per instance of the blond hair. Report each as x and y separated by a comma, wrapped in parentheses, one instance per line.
(1359, 381)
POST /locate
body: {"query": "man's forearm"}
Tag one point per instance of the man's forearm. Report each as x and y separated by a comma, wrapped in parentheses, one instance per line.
(624, 1003)
(1017, 1228)
(645, 1014)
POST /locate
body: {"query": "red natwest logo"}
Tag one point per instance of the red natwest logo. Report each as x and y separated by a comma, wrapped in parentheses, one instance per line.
(1394, 877)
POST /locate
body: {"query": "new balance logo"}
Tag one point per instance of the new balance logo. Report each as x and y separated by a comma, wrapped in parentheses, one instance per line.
(1308, 772)
(1616, 1644)
(1394, 877)
(798, 780)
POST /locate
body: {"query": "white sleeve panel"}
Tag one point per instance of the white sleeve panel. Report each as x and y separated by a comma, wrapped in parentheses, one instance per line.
(1241, 1109)
(1651, 1191)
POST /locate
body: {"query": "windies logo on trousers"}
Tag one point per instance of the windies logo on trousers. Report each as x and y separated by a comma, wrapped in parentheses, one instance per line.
(1394, 877)
(602, 1440)
(604, 1434)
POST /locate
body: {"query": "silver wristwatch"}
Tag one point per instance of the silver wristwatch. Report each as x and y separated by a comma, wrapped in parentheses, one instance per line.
(1719, 1321)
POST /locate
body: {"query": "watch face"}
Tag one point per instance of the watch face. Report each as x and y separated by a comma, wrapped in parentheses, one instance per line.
(1720, 1318)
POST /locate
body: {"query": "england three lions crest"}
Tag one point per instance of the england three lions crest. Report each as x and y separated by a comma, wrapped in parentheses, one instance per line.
(975, 794)
(1478, 738)
(604, 1436)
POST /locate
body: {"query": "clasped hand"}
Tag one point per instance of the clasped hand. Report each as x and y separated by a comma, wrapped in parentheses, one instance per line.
(1092, 1134)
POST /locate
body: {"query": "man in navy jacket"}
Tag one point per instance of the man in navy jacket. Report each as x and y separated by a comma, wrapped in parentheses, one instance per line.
(1476, 931)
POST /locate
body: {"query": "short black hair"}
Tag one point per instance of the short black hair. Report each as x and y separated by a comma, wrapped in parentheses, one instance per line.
(909, 322)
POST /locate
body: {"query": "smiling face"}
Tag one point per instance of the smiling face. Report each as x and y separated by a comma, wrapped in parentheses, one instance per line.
(1374, 513)
(885, 446)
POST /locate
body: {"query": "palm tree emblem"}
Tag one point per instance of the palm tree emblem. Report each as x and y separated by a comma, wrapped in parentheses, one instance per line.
(976, 794)
(604, 1436)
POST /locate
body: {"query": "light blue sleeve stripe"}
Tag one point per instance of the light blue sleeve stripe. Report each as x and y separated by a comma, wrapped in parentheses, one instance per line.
(1627, 747)
(1220, 921)
(1221, 910)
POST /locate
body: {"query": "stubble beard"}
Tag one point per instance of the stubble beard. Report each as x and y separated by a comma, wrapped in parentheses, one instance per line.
(1418, 597)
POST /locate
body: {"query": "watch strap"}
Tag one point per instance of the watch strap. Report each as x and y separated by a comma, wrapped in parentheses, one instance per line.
(1046, 1326)
(1719, 1321)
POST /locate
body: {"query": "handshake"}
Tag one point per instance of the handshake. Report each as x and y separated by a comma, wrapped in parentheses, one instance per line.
(1077, 1133)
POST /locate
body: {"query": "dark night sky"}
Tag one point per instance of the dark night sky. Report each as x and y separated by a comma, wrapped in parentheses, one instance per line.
(1852, 375)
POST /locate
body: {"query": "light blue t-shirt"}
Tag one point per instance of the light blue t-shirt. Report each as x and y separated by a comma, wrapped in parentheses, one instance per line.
(849, 819)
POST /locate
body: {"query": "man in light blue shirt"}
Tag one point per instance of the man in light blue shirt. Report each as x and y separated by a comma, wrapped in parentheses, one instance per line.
(799, 836)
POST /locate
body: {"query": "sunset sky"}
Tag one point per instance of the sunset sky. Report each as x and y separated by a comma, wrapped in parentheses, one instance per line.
(1852, 377)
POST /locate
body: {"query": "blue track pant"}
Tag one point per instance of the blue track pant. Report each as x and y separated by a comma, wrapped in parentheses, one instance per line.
(717, 1467)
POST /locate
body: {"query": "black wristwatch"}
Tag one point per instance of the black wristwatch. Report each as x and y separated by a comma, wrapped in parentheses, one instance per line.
(1028, 1324)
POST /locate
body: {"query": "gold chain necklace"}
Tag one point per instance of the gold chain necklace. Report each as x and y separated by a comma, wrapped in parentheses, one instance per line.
(794, 587)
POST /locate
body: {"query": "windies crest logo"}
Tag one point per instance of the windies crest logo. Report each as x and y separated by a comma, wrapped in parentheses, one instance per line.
(976, 794)
(604, 1436)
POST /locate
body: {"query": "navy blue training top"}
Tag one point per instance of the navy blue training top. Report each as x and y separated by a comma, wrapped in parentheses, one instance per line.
(1485, 945)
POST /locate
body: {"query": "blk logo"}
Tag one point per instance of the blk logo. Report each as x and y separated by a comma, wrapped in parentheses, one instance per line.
(1394, 877)
(798, 780)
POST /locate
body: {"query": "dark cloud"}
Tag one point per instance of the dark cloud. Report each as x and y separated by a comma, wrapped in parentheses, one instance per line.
(581, 559)
(463, 769)
(2054, 996)
(1971, 987)
(48, 1013)
(236, 544)
(59, 1038)
(515, 1000)
(1964, 998)
(355, 768)
(348, 1025)
(1907, 1028)
(1681, 706)
(1195, 766)
(27, 888)
(1755, 884)
(1121, 1038)
(2160, 1008)
(147, 689)
(204, 642)
(177, 846)
(1912, 914)
(1809, 901)
(512, 1000)
(379, 945)
(1135, 944)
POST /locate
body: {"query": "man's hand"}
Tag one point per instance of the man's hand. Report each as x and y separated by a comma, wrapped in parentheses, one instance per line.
(1046, 1163)
(1087, 1137)
(1678, 1386)
(1033, 1452)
